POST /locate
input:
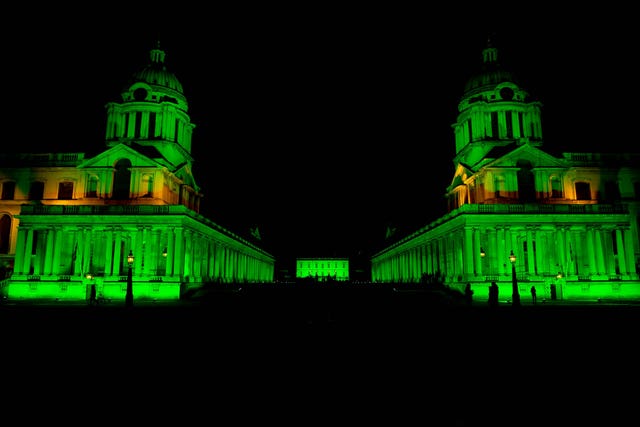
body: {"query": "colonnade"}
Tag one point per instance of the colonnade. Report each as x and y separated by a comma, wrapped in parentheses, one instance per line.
(171, 252)
(478, 252)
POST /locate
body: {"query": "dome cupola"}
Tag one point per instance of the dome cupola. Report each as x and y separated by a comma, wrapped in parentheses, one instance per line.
(490, 75)
(153, 112)
(494, 112)
(156, 73)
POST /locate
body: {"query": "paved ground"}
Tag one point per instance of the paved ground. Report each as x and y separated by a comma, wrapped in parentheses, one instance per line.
(312, 358)
(406, 317)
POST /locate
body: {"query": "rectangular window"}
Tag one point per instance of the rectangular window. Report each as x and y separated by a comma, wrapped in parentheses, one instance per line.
(65, 190)
(583, 191)
(611, 191)
(636, 190)
(36, 190)
(8, 190)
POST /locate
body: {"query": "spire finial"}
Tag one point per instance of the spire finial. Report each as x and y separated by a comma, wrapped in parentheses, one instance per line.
(490, 39)
(490, 53)
(157, 54)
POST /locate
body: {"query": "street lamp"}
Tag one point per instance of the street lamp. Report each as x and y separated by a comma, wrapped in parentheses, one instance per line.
(92, 289)
(515, 296)
(128, 299)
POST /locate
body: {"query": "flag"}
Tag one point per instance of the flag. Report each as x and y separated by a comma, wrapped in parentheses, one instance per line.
(255, 232)
(390, 232)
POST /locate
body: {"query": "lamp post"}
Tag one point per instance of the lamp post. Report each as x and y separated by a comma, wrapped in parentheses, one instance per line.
(128, 299)
(92, 289)
(515, 296)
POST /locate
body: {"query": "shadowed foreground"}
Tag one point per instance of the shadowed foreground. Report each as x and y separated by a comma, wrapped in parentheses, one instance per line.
(329, 355)
(323, 312)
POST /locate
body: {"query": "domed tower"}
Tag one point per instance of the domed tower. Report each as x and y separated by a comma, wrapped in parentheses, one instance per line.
(153, 113)
(494, 112)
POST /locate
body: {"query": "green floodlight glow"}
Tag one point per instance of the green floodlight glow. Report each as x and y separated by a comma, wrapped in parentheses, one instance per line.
(591, 256)
(322, 269)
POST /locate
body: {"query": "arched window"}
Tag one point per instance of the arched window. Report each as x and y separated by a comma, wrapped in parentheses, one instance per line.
(147, 182)
(526, 183)
(499, 186)
(122, 180)
(92, 187)
(556, 187)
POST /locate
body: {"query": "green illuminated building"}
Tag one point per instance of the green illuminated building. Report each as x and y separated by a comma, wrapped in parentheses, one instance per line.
(68, 222)
(323, 269)
(571, 221)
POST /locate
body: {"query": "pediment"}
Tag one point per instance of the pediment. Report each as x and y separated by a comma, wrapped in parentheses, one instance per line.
(185, 174)
(460, 175)
(533, 155)
(512, 159)
(110, 157)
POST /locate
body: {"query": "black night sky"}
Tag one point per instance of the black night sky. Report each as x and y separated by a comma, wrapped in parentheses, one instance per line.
(322, 126)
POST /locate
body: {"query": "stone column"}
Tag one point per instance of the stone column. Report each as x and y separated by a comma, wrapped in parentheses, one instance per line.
(622, 258)
(49, 252)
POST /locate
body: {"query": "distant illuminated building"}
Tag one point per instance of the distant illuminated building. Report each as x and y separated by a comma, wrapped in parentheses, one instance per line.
(570, 220)
(68, 222)
(323, 269)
